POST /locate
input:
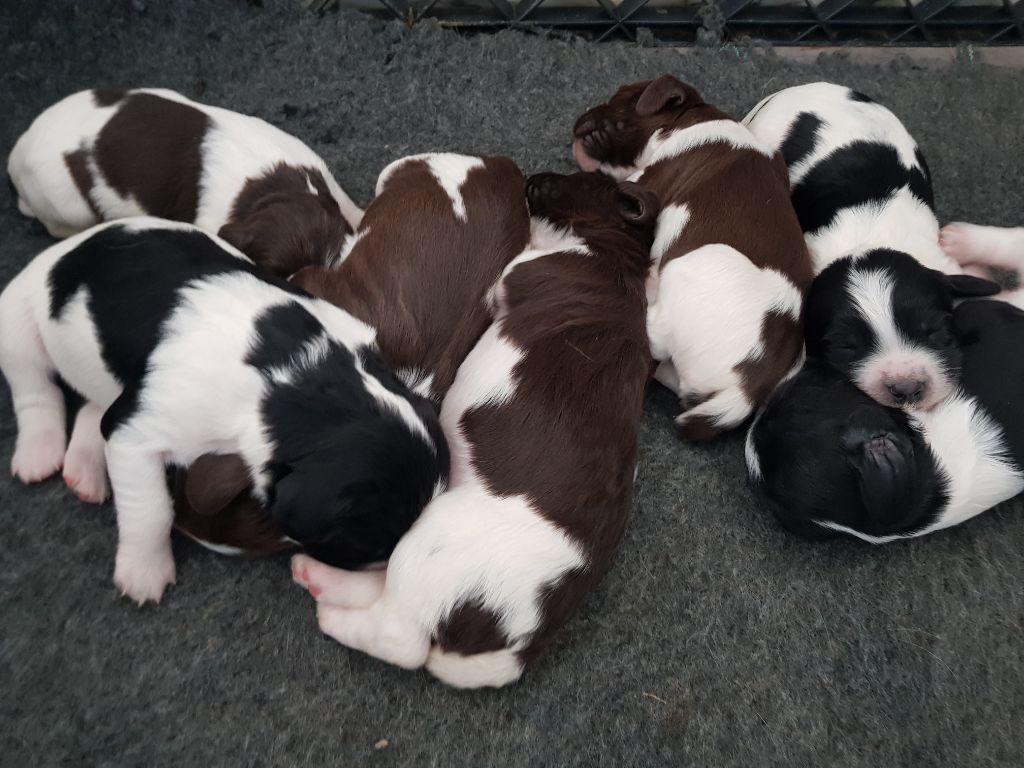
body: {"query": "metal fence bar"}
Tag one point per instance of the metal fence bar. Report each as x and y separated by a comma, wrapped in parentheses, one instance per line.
(796, 22)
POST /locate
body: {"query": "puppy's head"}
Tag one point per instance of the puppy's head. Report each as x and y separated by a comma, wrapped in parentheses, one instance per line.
(610, 137)
(593, 200)
(287, 231)
(885, 322)
(830, 460)
(355, 490)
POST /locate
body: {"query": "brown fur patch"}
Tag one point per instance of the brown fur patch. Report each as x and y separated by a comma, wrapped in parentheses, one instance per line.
(278, 223)
(77, 163)
(567, 439)
(150, 150)
(469, 629)
(781, 334)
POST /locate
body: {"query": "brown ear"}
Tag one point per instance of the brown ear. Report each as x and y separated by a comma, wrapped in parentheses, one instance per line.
(637, 204)
(664, 92)
(240, 235)
(312, 279)
(215, 480)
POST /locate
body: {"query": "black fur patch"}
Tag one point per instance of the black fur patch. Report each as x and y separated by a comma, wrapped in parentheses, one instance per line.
(280, 332)
(350, 475)
(856, 174)
(858, 96)
(802, 138)
(132, 280)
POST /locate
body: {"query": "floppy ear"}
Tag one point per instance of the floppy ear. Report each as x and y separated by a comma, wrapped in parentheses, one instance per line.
(214, 481)
(637, 204)
(662, 93)
(240, 235)
(305, 507)
(886, 474)
(968, 285)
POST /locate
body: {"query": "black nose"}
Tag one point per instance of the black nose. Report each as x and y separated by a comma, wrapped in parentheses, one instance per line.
(908, 392)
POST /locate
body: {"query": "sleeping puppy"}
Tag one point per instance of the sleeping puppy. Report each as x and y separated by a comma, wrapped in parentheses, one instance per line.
(863, 194)
(831, 460)
(108, 154)
(439, 233)
(181, 347)
(543, 420)
(729, 264)
(886, 323)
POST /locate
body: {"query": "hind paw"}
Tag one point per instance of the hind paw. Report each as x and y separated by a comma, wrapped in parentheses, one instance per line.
(38, 454)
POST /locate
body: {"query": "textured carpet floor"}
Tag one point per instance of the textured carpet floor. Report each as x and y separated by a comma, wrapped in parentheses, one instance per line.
(716, 640)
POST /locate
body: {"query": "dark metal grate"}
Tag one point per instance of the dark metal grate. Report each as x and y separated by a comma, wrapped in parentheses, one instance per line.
(782, 22)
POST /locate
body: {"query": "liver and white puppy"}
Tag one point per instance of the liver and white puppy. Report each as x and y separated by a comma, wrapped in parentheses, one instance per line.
(180, 347)
(831, 460)
(863, 194)
(979, 250)
(543, 419)
(436, 238)
(729, 261)
(108, 154)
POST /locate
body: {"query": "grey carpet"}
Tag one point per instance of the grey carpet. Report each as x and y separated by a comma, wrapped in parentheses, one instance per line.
(716, 640)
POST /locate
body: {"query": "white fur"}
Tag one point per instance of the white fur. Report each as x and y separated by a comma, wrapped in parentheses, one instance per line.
(903, 223)
(969, 449)
(707, 319)
(449, 169)
(468, 544)
(199, 394)
(894, 358)
(236, 148)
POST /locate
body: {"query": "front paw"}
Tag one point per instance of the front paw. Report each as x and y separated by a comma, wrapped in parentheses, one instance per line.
(144, 576)
(38, 454)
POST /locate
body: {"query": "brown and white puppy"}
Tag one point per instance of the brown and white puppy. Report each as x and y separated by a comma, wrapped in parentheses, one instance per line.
(99, 155)
(542, 421)
(438, 235)
(729, 263)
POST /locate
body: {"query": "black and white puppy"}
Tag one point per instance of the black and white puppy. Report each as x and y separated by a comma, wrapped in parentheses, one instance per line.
(831, 460)
(886, 323)
(181, 347)
(863, 194)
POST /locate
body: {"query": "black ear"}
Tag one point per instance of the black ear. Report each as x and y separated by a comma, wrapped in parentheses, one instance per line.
(661, 94)
(306, 506)
(637, 204)
(214, 481)
(886, 473)
(968, 285)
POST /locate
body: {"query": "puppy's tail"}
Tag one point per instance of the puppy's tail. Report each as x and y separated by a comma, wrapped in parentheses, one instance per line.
(491, 669)
(722, 411)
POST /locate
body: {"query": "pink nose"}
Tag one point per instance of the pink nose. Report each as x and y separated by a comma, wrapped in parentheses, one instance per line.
(583, 160)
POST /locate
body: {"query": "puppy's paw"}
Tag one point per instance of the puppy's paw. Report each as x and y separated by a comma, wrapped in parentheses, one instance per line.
(143, 576)
(305, 573)
(85, 473)
(38, 454)
(964, 243)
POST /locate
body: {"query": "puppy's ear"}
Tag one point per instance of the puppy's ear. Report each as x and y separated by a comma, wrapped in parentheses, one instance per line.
(214, 481)
(311, 279)
(241, 235)
(305, 504)
(636, 204)
(886, 473)
(663, 93)
(968, 285)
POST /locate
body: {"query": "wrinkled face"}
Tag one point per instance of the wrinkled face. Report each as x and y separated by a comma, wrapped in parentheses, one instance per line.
(885, 322)
(831, 460)
(611, 137)
(591, 198)
(288, 231)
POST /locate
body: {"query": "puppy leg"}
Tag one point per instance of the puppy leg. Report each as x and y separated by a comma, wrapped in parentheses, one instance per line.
(145, 564)
(85, 463)
(976, 246)
(38, 402)
(337, 587)
(380, 630)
